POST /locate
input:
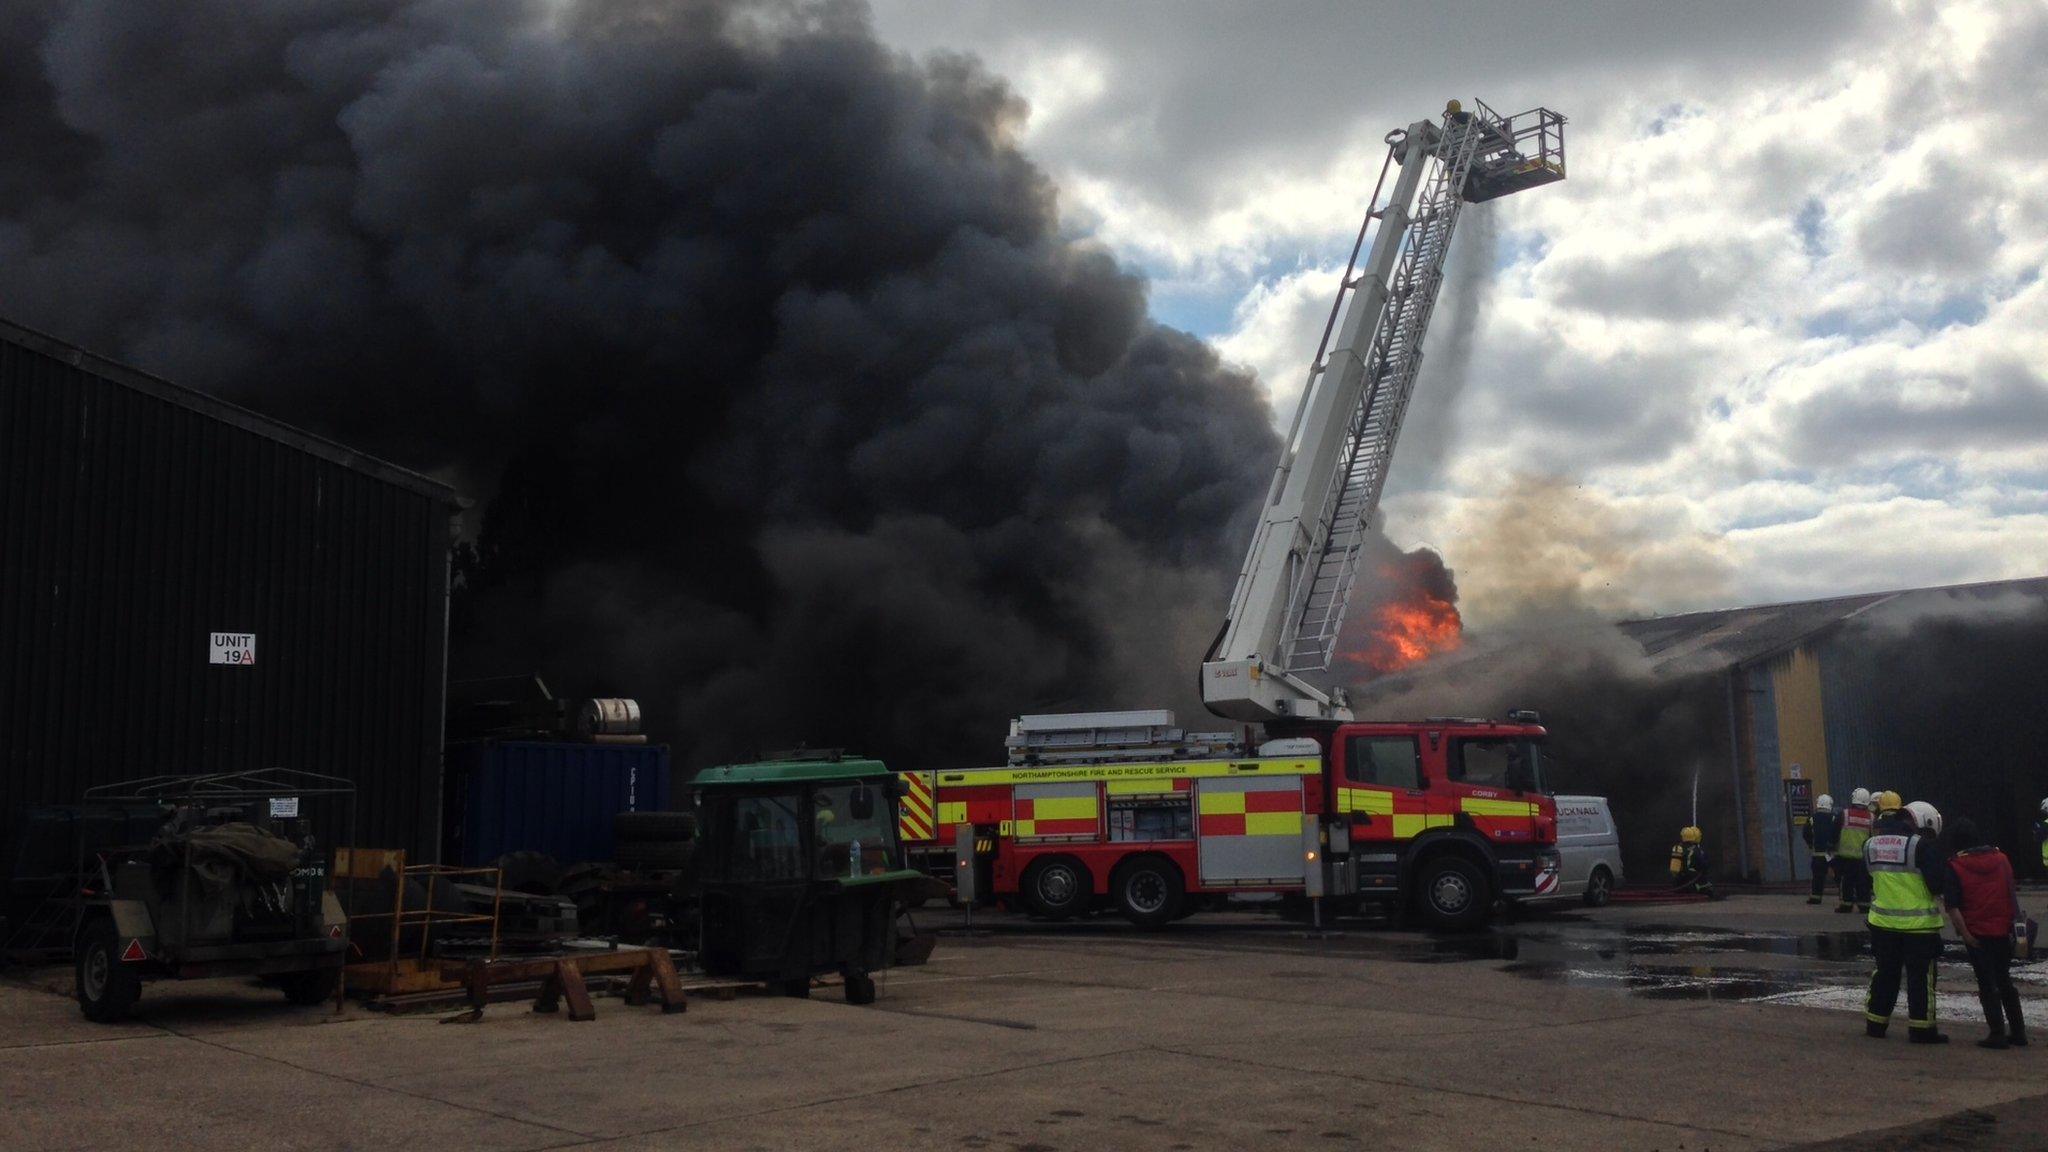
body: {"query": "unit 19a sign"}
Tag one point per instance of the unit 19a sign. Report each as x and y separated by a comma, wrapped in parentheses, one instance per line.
(231, 648)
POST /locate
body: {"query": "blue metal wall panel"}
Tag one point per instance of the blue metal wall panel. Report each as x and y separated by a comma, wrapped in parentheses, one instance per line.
(516, 795)
(1866, 754)
(1770, 791)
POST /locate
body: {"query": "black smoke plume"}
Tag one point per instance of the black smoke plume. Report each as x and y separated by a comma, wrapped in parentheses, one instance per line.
(791, 409)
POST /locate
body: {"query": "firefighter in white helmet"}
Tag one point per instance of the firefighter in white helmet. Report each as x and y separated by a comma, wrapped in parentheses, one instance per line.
(1823, 833)
(1906, 870)
(1853, 828)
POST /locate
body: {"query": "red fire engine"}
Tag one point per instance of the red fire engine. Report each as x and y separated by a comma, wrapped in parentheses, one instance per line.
(1125, 810)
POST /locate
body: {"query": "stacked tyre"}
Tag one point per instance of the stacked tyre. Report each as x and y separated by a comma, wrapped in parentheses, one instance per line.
(654, 841)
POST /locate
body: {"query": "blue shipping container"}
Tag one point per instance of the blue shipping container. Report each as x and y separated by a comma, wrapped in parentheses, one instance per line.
(530, 795)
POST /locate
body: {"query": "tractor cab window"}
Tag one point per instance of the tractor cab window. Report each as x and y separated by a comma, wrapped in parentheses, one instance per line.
(1389, 761)
(1510, 764)
(767, 840)
(849, 814)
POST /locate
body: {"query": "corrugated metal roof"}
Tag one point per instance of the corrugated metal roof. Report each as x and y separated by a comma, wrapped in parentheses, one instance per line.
(1706, 641)
(227, 413)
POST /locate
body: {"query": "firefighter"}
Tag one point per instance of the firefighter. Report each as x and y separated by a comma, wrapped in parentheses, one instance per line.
(1822, 832)
(1984, 907)
(1853, 828)
(1689, 864)
(1906, 870)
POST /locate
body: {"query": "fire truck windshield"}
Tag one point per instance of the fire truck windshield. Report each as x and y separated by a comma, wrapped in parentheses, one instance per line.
(1512, 763)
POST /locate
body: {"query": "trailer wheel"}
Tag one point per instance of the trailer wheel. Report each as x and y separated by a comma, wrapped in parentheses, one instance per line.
(311, 987)
(1453, 894)
(1149, 891)
(107, 988)
(1058, 887)
(1599, 887)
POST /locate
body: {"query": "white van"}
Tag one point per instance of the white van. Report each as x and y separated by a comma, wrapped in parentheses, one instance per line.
(1588, 849)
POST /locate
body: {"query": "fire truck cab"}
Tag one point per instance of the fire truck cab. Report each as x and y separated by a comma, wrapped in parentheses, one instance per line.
(1446, 816)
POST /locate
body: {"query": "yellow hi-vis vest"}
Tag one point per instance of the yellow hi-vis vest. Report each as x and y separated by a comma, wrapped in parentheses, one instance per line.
(1899, 897)
(1855, 832)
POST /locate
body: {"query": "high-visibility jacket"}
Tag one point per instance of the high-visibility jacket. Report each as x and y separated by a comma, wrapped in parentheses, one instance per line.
(1856, 832)
(1900, 899)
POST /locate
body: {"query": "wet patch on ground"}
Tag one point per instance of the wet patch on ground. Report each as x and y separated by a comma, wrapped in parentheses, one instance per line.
(1828, 969)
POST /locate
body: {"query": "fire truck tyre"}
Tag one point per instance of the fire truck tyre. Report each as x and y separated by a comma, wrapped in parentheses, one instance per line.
(1058, 887)
(1599, 886)
(107, 988)
(308, 988)
(642, 826)
(860, 987)
(1452, 892)
(1149, 891)
(534, 873)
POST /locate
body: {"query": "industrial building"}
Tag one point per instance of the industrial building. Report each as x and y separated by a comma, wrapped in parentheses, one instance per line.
(1936, 693)
(188, 586)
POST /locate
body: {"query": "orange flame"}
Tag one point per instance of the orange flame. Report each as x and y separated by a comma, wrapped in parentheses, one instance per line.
(1404, 631)
(1406, 634)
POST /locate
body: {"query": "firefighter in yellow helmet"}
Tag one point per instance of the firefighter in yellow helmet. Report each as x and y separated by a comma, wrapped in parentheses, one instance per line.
(1689, 864)
(1907, 868)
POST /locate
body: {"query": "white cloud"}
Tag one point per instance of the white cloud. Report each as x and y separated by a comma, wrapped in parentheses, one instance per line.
(1785, 322)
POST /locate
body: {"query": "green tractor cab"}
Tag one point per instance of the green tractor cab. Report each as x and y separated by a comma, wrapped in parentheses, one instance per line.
(800, 872)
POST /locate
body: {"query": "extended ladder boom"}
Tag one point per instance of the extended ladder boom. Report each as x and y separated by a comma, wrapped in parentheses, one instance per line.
(1288, 610)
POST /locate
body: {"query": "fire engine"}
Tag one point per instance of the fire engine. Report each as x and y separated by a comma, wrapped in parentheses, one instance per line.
(1449, 815)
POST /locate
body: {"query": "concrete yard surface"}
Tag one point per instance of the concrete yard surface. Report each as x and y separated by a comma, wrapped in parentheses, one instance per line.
(1644, 1027)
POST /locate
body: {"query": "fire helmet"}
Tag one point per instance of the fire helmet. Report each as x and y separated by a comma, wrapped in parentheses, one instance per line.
(1861, 798)
(1825, 803)
(1689, 835)
(1925, 816)
(1889, 801)
(2044, 807)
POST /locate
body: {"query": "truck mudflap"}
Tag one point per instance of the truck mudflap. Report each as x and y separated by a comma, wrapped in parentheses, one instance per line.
(1527, 875)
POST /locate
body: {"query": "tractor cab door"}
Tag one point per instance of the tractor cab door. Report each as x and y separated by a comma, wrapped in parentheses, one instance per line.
(756, 880)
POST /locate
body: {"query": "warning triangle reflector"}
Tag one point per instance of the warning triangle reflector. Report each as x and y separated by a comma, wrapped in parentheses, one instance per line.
(134, 952)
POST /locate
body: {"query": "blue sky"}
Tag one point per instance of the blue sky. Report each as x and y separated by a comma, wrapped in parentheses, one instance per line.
(1782, 332)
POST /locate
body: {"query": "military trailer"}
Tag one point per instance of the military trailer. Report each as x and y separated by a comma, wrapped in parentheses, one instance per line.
(233, 881)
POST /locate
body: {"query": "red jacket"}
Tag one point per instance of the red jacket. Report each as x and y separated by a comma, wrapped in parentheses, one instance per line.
(1984, 890)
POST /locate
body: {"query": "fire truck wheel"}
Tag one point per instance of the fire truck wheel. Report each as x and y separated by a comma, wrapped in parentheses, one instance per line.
(1149, 891)
(1599, 886)
(107, 988)
(1453, 895)
(1058, 887)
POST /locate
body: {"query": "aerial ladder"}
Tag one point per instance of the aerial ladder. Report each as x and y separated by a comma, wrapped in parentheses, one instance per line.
(1302, 569)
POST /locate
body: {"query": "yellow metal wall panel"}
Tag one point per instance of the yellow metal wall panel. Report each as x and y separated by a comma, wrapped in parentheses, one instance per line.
(1802, 728)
